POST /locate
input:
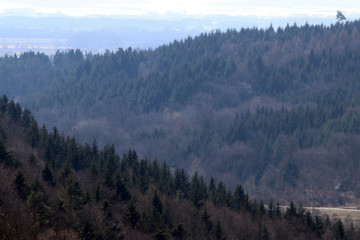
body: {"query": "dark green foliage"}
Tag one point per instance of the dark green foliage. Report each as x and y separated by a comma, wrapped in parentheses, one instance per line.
(179, 232)
(36, 186)
(3, 152)
(220, 194)
(65, 174)
(239, 198)
(2, 134)
(157, 205)
(86, 231)
(262, 209)
(32, 160)
(181, 183)
(98, 193)
(166, 179)
(319, 227)
(131, 215)
(198, 190)
(110, 160)
(205, 219)
(106, 207)
(20, 185)
(40, 210)
(211, 189)
(10, 160)
(291, 211)
(143, 175)
(38, 203)
(73, 193)
(270, 210)
(327, 222)
(263, 233)
(277, 210)
(27, 118)
(218, 231)
(14, 110)
(291, 173)
(47, 175)
(121, 189)
(339, 231)
(4, 100)
(160, 235)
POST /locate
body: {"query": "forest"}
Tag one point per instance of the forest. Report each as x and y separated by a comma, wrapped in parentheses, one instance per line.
(267, 108)
(55, 188)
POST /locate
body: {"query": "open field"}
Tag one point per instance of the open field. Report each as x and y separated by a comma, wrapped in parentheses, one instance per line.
(345, 214)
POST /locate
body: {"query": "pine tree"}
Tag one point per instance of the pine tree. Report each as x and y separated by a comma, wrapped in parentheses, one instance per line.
(73, 193)
(20, 185)
(160, 234)
(194, 192)
(32, 160)
(47, 175)
(270, 210)
(121, 189)
(212, 189)
(319, 226)
(3, 152)
(218, 232)
(339, 231)
(40, 210)
(205, 219)
(86, 231)
(179, 232)
(131, 215)
(181, 183)
(239, 196)
(157, 205)
(4, 103)
(27, 117)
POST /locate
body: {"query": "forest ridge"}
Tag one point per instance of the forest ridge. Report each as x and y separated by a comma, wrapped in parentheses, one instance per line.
(54, 188)
(264, 107)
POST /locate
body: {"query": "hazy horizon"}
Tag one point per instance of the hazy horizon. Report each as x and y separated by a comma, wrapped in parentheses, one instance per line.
(46, 26)
(256, 8)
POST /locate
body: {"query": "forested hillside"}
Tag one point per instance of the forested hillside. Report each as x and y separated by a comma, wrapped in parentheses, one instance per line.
(277, 110)
(54, 188)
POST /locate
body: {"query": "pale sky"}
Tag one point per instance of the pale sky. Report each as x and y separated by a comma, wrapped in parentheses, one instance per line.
(261, 8)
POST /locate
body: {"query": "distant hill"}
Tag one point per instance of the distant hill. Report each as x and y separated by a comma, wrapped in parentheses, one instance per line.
(274, 109)
(54, 188)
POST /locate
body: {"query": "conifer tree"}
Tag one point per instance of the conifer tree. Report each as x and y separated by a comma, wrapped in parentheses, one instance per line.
(20, 185)
(131, 215)
(121, 189)
(205, 219)
(47, 175)
(32, 160)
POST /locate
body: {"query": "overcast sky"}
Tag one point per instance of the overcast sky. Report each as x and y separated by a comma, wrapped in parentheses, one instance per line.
(262, 8)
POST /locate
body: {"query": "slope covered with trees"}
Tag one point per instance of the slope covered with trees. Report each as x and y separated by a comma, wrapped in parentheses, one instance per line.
(54, 188)
(265, 107)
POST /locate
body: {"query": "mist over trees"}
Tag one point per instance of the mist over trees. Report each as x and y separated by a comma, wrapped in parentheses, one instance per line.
(265, 107)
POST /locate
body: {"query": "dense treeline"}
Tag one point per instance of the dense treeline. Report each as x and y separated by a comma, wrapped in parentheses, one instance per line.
(150, 80)
(263, 106)
(62, 190)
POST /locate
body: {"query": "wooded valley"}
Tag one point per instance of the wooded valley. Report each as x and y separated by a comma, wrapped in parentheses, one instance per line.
(54, 188)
